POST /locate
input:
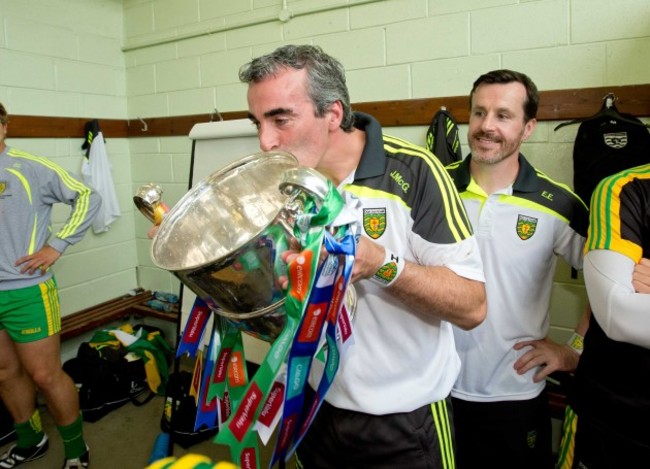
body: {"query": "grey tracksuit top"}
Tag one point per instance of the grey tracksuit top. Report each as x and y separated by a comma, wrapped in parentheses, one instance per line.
(29, 186)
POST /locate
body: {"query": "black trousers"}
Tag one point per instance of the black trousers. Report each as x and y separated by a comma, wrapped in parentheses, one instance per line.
(343, 439)
(506, 434)
(599, 448)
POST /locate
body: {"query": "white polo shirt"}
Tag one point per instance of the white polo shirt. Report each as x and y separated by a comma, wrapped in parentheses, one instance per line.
(520, 230)
(401, 360)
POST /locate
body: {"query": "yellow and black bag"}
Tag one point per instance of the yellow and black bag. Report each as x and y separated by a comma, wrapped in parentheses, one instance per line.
(119, 366)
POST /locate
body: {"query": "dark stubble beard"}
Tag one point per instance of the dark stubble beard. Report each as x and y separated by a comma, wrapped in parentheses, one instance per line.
(508, 148)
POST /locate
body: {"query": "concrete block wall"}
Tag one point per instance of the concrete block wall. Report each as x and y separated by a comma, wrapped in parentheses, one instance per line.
(165, 161)
(64, 58)
(182, 57)
(392, 49)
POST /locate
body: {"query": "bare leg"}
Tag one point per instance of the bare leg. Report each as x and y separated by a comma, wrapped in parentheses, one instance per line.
(42, 361)
(16, 387)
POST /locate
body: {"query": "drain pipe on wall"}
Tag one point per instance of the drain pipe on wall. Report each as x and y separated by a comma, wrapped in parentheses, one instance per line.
(284, 15)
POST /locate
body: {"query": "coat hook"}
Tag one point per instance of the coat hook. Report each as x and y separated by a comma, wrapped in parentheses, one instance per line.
(215, 114)
(610, 99)
(145, 127)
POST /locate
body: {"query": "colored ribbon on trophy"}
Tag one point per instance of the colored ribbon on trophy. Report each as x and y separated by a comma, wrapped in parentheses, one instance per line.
(325, 302)
(231, 348)
(334, 336)
(194, 328)
(225, 369)
(343, 334)
(270, 415)
(238, 432)
(197, 373)
(207, 409)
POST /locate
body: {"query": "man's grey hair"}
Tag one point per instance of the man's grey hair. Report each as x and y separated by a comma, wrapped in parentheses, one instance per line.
(325, 76)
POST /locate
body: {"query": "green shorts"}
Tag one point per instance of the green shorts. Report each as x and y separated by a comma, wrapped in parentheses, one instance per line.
(32, 313)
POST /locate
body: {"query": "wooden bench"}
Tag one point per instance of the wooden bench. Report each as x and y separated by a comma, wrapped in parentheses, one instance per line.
(94, 317)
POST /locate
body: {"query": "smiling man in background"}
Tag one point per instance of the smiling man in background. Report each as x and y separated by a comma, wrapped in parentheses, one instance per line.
(523, 221)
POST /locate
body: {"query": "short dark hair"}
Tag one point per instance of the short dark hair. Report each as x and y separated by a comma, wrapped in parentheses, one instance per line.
(325, 76)
(509, 76)
(4, 118)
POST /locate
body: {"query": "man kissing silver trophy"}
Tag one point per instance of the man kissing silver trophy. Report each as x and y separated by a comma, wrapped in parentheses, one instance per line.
(226, 241)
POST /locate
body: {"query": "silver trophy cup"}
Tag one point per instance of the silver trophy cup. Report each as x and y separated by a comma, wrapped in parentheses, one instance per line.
(224, 238)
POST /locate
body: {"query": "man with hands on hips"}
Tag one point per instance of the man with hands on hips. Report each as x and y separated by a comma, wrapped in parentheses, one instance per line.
(523, 221)
(30, 317)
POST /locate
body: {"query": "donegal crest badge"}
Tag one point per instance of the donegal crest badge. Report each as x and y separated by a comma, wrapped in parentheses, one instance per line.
(526, 227)
(374, 221)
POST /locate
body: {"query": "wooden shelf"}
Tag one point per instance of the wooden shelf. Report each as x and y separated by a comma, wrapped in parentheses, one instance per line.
(94, 317)
(146, 311)
(554, 105)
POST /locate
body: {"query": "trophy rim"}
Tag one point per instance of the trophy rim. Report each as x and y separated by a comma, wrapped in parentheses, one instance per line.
(171, 217)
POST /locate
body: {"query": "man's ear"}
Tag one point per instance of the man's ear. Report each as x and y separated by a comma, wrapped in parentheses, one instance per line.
(335, 115)
(528, 128)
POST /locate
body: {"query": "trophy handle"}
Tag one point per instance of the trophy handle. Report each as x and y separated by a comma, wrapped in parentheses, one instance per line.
(304, 179)
(148, 199)
(298, 184)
